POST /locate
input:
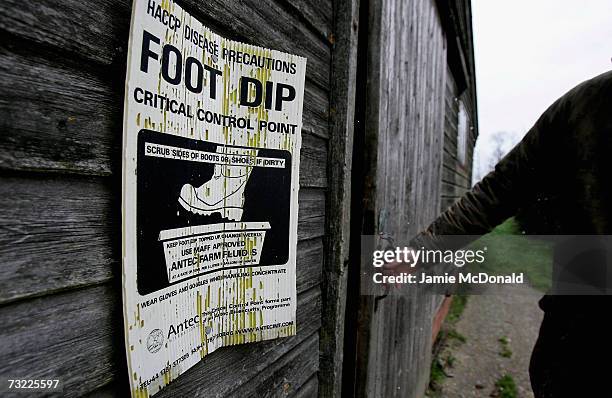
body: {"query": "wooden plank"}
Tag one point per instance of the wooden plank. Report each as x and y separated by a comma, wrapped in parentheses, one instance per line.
(98, 30)
(57, 233)
(450, 190)
(405, 126)
(315, 118)
(286, 375)
(310, 389)
(344, 71)
(59, 117)
(450, 136)
(309, 264)
(44, 338)
(313, 162)
(256, 22)
(318, 13)
(456, 176)
(451, 161)
(77, 337)
(314, 227)
(60, 233)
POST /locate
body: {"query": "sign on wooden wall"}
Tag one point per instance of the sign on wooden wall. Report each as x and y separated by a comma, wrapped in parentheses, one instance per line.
(211, 149)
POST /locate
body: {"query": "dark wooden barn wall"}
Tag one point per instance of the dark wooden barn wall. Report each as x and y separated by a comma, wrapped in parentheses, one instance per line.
(404, 137)
(62, 74)
(456, 177)
(463, 20)
(339, 202)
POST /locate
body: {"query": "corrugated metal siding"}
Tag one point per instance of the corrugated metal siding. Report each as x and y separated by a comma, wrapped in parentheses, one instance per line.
(62, 68)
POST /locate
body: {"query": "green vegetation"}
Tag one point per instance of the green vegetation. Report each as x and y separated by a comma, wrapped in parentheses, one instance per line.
(456, 308)
(455, 335)
(437, 372)
(447, 335)
(506, 387)
(508, 227)
(508, 251)
(505, 347)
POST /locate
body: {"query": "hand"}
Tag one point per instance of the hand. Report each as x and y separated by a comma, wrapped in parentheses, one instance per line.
(397, 268)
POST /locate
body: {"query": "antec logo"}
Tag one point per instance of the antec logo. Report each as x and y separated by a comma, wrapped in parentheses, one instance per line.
(155, 341)
(183, 326)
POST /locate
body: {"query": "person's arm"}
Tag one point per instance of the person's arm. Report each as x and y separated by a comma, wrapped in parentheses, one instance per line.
(512, 184)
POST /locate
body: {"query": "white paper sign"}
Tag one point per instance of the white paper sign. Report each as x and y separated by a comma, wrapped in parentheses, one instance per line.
(211, 149)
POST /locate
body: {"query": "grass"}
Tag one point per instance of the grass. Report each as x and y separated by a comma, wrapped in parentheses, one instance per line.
(437, 372)
(438, 365)
(508, 251)
(455, 335)
(505, 347)
(506, 387)
(456, 308)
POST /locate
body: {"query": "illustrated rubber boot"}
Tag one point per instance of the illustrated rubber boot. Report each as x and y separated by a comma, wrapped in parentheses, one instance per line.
(224, 192)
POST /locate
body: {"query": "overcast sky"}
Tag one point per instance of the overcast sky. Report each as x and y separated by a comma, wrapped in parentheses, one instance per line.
(529, 53)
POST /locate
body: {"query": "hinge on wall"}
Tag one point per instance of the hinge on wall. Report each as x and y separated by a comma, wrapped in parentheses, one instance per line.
(386, 242)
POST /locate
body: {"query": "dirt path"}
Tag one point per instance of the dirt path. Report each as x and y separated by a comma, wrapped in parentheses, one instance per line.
(479, 362)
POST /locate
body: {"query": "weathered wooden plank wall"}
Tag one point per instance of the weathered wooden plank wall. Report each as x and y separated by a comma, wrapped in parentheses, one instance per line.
(62, 69)
(456, 175)
(340, 168)
(404, 136)
(62, 73)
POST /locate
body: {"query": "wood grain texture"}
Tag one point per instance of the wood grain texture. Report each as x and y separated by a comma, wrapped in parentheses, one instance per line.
(310, 389)
(57, 117)
(98, 30)
(59, 336)
(456, 177)
(58, 233)
(344, 70)
(318, 13)
(62, 78)
(285, 376)
(78, 336)
(404, 139)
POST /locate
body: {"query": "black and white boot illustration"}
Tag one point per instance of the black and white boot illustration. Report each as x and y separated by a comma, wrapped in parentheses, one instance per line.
(224, 192)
